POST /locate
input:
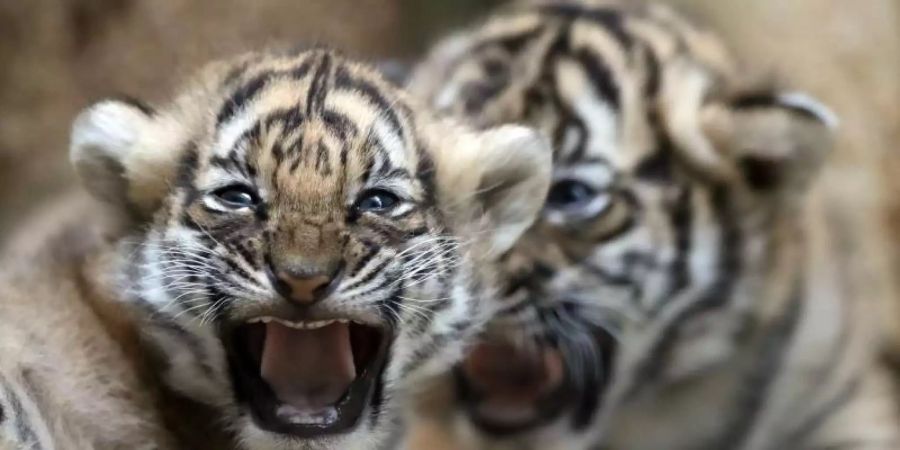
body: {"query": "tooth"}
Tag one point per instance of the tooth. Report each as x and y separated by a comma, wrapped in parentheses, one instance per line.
(343, 321)
(266, 319)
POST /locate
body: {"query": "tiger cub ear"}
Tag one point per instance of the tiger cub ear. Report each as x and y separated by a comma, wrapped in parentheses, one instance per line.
(775, 141)
(767, 139)
(493, 183)
(115, 159)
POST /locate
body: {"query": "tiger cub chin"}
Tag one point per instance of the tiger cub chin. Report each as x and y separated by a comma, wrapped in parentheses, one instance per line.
(298, 242)
(686, 286)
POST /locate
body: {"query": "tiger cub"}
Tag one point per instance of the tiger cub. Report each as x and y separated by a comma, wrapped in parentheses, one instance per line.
(687, 286)
(296, 240)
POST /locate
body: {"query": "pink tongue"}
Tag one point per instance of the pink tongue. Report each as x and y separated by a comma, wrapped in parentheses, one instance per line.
(308, 369)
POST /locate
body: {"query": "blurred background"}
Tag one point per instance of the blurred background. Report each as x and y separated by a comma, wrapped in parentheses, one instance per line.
(56, 56)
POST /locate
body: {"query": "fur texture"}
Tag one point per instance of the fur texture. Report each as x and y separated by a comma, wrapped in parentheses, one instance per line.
(687, 269)
(268, 163)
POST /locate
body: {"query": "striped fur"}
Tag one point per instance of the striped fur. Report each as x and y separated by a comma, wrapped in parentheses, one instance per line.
(71, 376)
(727, 283)
(309, 134)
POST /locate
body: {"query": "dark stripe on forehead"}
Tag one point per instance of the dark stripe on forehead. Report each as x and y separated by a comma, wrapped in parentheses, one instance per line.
(609, 19)
(240, 97)
(289, 118)
(323, 159)
(339, 124)
(251, 89)
(318, 88)
(600, 75)
(512, 43)
(375, 96)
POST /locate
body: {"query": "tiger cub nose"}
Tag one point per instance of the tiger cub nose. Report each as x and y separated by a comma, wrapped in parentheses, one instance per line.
(304, 287)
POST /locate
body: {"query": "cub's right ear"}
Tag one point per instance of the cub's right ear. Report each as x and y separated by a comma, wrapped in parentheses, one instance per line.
(105, 138)
(776, 141)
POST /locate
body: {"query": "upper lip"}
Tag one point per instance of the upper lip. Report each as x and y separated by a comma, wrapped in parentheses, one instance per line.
(304, 324)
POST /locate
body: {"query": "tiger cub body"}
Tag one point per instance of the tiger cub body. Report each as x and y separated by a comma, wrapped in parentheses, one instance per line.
(689, 285)
(293, 239)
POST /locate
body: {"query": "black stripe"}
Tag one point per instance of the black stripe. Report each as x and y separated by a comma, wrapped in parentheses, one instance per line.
(242, 247)
(770, 100)
(242, 96)
(798, 438)
(657, 168)
(372, 249)
(767, 364)
(344, 80)
(19, 417)
(165, 324)
(184, 179)
(425, 173)
(5, 392)
(681, 221)
(187, 166)
(717, 295)
(512, 43)
(323, 159)
(369, 276)
(600, 75)
(339, 124)
(318, 88)
(251, 89)
(609, 19)
(426, 351)
(652, 81)
(290, 119)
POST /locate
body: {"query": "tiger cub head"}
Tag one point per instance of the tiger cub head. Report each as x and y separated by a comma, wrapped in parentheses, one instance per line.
(663, 174)
(304, 242)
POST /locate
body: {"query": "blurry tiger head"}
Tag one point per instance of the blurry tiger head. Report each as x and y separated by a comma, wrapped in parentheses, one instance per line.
(657, 163)
(305, 243)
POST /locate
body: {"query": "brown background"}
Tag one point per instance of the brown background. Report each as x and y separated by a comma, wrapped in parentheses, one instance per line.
(56, 56)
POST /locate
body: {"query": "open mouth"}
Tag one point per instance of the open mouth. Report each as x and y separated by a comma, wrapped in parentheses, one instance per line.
(306, 378)
(506, 389)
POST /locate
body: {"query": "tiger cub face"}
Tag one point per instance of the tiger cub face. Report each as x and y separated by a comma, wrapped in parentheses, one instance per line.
(303, 241)
(658, 177)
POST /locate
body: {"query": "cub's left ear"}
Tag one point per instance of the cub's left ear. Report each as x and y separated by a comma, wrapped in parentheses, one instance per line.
(492, 184)
(774, 141)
